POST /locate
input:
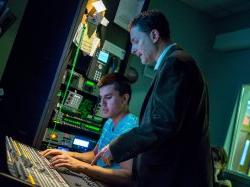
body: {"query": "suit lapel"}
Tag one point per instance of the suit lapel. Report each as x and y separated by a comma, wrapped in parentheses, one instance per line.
(145, 102)
(170, 51)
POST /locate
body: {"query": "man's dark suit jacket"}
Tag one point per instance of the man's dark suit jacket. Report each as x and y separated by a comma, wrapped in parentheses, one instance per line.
(171, 144)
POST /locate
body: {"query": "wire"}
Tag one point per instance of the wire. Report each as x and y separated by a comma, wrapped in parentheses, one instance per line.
(57, 120)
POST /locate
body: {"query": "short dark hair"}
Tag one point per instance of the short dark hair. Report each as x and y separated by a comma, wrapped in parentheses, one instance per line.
(120, 82)
(219, 155)
(152, 19)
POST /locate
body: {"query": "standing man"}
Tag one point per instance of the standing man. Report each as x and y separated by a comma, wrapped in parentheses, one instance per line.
(115, 94)
(171, 145)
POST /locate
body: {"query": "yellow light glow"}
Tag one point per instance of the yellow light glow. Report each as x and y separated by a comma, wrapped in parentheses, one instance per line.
(53, 136)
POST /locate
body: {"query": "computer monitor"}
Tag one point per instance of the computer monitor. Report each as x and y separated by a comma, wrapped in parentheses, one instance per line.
(7, 18)
(81, 142)
(3, 4)
(103, 57)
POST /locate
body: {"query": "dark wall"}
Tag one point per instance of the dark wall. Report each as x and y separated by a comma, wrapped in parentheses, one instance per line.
(226, 72)
(32, 65)
(7, 39)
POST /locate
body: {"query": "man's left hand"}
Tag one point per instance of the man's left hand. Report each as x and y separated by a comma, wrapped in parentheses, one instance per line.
(105, 154)
(67, 161)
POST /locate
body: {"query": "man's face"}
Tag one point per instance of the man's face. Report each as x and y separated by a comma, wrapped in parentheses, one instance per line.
(143, 45)
(112, 103)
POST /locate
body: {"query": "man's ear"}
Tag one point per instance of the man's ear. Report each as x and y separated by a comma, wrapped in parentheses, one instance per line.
(125, 98)
(154, 35)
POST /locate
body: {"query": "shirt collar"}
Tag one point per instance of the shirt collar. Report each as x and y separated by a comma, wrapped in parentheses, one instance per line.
(164, 52)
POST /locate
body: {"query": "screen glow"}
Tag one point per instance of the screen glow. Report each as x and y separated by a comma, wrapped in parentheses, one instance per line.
(80, 142)
(103, 56)
(243, 158)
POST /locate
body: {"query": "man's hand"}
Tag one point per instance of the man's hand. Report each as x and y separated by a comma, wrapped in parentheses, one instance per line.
(64, 160)
(51, 152)
(105, 154)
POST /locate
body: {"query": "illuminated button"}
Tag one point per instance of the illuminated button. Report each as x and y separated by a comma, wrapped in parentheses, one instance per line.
(53, 136)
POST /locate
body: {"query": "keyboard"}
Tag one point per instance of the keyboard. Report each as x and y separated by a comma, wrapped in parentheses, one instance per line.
(25, 162)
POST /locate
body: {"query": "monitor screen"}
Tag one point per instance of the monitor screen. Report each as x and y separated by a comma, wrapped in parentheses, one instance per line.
(103, 56)
(80, 142)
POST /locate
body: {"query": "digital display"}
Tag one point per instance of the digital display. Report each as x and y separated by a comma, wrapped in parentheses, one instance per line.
(103, 56)
(244, 154)
(80, 142)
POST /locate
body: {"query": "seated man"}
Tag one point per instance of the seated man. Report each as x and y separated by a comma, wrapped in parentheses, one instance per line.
(220, 161)
(115, 94)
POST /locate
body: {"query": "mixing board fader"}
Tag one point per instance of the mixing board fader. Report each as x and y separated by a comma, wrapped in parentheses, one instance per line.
(26, 163)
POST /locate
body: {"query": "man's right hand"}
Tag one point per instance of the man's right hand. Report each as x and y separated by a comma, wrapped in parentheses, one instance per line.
(51, 152)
